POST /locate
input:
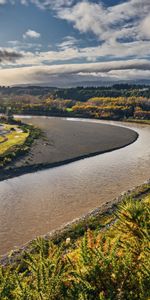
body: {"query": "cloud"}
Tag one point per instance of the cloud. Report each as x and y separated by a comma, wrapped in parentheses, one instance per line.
(19, 46)
(122, 29)
(68, 42)
(9, 56)
(117, 21)
(86, 17)
(122, 36)
(58, 4)
(49, 4)
(31, 34)
(3, 2)
(68, 51)
(145, 27)
(129, 19)
(66, 74)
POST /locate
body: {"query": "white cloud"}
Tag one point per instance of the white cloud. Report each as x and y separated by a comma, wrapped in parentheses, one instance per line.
(145, 27)
(57, 4)
(67, 51)
(129, 19)
(122, 31)
(3, 2)
(50, 4)
(86, 17)
(20, 46)
(68, 42)
(31, 34)
(117, 21)
(59, 74)
(132, 74)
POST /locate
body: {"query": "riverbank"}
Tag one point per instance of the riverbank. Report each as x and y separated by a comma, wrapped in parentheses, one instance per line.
(16, 140)
(102, 257)
(66, 141)
(101, 264)
(101, 218)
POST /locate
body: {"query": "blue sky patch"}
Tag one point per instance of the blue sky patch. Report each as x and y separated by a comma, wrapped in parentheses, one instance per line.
(80, 38)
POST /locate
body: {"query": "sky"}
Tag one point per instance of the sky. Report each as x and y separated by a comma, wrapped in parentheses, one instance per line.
(65, 42)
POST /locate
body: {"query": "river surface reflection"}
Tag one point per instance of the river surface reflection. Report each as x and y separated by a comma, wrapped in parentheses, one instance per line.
(36, 203)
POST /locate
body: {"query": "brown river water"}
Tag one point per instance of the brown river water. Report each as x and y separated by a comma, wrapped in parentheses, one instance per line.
(34, 204)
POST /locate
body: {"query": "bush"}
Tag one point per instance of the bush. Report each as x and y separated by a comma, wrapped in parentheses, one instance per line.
(102, 265)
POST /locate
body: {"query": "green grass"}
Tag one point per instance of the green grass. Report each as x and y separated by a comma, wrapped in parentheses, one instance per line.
(14, 138)
(19, 141)
(69, 109)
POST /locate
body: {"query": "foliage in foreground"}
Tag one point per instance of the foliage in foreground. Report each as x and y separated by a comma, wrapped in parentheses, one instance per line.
(113, 264)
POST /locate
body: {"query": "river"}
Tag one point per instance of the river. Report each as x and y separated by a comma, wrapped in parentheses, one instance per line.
(33, 204)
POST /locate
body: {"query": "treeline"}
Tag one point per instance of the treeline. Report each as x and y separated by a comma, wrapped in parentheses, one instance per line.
(98, 107)
(115, 108)
(79, 93)
(83, 94)
(26, 90)
(103, 103)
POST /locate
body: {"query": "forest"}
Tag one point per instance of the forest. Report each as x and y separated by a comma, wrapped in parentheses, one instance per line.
(118, 102)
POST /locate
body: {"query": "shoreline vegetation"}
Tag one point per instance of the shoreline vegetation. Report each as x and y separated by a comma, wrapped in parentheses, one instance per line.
(93, 245)
(17, 139)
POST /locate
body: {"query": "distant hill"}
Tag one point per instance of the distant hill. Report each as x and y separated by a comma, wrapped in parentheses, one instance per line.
(27, 90)
(80, 93)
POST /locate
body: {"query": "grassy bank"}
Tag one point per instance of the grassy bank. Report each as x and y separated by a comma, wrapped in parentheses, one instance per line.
(105, 256)
(16, 140)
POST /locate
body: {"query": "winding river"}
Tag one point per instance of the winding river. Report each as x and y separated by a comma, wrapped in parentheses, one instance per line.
(36, 203)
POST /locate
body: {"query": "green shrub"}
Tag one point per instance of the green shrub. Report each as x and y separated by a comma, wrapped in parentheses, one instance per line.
(103, 265)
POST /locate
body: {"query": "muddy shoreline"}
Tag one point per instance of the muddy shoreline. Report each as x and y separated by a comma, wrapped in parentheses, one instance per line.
(15, 172)
(68, 141)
